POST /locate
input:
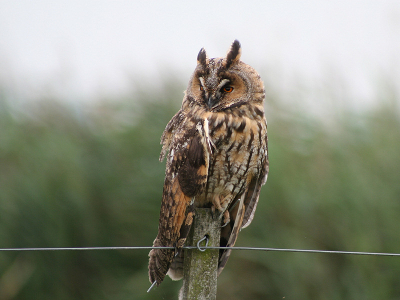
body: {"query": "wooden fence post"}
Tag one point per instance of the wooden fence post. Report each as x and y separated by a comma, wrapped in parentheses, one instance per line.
(200, 268)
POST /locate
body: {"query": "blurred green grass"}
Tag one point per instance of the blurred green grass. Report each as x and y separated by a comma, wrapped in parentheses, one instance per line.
(90, 177)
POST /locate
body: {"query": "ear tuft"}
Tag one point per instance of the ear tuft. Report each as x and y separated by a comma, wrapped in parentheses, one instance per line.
(202, 57)
(234, 53)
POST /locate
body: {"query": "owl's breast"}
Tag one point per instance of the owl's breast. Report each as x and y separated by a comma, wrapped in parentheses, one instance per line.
(236, 158)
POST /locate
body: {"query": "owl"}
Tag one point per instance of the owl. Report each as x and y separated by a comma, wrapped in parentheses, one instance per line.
(217, 158)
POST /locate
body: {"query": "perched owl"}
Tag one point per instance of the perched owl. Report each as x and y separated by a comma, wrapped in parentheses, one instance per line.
(217, 158)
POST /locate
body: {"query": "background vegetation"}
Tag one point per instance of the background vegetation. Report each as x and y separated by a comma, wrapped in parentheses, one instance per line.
(89, 175)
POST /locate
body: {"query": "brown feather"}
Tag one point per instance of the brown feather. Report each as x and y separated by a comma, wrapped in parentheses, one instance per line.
(233, 54)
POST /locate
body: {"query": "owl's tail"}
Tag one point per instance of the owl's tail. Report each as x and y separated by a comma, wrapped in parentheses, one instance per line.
(159, 262)
(176, 217)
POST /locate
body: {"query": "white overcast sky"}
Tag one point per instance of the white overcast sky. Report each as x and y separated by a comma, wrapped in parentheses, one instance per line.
(89, 46)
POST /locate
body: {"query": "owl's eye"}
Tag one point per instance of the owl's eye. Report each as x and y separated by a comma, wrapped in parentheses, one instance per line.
(228, 89)
(201, 88)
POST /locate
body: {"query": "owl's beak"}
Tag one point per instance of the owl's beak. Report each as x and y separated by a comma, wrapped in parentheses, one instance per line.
(211, 101)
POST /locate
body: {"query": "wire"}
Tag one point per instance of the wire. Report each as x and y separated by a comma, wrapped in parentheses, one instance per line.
(307, 251)
(83, 248)
(205, 247)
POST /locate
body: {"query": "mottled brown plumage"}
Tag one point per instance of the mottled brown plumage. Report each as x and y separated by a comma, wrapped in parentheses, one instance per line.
(217, 157)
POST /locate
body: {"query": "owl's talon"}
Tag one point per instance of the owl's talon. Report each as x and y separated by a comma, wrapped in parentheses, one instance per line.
(213, 211)
(226, 223)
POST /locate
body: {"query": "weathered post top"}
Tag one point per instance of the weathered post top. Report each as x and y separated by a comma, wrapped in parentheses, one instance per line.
(200, 267)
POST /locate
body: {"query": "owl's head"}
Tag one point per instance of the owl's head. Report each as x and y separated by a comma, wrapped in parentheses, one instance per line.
(221, 83)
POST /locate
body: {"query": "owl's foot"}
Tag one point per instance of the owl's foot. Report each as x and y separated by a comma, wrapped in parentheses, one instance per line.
(227, 218)
(221, 205)
(216, 205)
(215, 213)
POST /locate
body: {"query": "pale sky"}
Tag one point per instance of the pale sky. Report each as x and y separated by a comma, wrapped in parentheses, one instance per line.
(87, 47)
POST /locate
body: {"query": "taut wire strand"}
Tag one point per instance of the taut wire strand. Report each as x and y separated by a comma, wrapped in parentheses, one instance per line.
(203, 247)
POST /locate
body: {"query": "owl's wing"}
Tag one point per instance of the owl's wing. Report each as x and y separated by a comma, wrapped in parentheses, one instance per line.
(253, 190)
(168, 133)
(186, 176)
(252, 195)
(229, 233)
(241, 215)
